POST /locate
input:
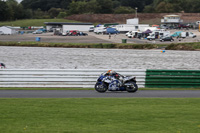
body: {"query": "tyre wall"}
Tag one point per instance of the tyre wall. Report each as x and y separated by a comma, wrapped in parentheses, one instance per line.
(172, 79)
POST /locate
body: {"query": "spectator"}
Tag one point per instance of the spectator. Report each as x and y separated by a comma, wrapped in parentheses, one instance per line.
(2, 65)
(109, 36)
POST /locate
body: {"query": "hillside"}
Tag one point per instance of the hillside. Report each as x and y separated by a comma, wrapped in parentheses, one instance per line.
(150, 18)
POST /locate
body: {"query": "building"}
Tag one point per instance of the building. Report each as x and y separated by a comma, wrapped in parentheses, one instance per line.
(7, 30)
(63, 27)
(171, 20)
(123, 28)
(134, 21)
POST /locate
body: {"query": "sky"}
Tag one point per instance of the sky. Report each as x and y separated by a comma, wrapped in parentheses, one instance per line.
(19, 1)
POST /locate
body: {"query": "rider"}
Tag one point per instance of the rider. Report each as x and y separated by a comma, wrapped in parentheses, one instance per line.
(115, 80)
(112, 73)
(2, 65)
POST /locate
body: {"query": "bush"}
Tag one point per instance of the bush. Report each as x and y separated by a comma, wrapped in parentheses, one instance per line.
(180, 47)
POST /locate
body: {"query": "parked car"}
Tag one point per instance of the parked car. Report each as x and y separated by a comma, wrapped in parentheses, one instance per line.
(183, 26)
(166, 38)
(37, 32)
(42, 29)
(73, 33)
(82, 34)
(91, 29)
(111, 31)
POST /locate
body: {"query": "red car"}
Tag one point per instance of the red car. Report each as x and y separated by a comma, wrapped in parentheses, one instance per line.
(183, 26)
(73, 33)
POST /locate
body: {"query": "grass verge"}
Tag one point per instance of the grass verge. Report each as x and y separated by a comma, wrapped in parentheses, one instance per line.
(32, 88)
(95, 115)
(179, 46)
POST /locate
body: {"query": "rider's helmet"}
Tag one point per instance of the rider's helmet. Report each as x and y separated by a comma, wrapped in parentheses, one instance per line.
(109, 72)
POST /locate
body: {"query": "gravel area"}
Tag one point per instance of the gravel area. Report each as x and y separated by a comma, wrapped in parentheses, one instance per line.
(71, 58)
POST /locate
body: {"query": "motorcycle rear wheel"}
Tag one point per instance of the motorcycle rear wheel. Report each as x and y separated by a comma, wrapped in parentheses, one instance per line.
(132, 88)
(101, 87)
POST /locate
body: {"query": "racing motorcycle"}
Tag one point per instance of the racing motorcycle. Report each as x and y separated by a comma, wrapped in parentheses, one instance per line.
(115, 82)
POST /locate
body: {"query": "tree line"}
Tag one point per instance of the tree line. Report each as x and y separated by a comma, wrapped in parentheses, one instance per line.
(28, 9)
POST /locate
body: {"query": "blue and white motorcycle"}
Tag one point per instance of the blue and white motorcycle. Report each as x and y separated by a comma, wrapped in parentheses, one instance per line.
(115, 82)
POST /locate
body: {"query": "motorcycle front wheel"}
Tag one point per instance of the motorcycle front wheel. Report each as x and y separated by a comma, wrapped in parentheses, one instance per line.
(101, 87)
(132, 88)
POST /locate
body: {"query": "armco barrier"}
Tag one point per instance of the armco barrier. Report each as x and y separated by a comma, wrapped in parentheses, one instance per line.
(60, 78)
(172, 79)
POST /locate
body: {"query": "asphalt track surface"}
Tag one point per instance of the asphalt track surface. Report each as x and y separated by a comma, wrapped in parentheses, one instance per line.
(94, 94)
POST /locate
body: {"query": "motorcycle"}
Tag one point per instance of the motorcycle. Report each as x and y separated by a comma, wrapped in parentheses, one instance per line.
(115, 82)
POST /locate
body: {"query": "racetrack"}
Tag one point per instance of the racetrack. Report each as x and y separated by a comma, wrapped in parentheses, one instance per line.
(94, 94)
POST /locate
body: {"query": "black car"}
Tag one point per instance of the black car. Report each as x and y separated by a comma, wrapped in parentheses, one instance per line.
(82, 34)
(169, 38)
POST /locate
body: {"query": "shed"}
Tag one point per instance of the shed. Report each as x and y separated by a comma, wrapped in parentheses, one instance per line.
(6, 30)
(68, 26)
(171, 20)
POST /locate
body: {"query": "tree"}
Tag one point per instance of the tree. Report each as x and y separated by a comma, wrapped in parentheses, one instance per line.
(124, 10)
(4, 11)
(164, 7)
(45, 5)
(38, 14)
(149, 9)
(62, 15)
(77, 7)
(106, 6)
(192, 6)
(92, 7)
(53, 12)
(16, 10)
(28, 13)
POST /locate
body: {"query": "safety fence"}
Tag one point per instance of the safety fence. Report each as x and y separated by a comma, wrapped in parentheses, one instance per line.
(172, 79)
(60, 78)
(79, 78)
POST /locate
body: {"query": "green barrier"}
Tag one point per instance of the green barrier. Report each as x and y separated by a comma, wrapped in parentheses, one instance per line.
(172, 79)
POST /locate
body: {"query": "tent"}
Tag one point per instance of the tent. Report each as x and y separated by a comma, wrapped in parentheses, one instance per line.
(147, 31)
(7, 30)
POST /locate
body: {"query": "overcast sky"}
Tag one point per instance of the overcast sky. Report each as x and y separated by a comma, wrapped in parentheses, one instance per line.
(19, 1)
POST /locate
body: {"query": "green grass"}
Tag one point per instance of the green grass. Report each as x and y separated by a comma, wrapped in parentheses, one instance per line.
(100, 115)
(32, 88)
(32, 22)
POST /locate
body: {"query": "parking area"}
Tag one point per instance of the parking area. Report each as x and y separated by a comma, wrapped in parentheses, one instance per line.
(91, 38)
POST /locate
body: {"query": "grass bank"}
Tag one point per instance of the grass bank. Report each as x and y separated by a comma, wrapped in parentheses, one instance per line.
(179, 46)
(81, 45)
(32, 22)
(109, 115)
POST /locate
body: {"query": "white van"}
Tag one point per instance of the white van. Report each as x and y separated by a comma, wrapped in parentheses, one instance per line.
(100, 29)
(187, 34)
(132, 34)
(158, 34)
